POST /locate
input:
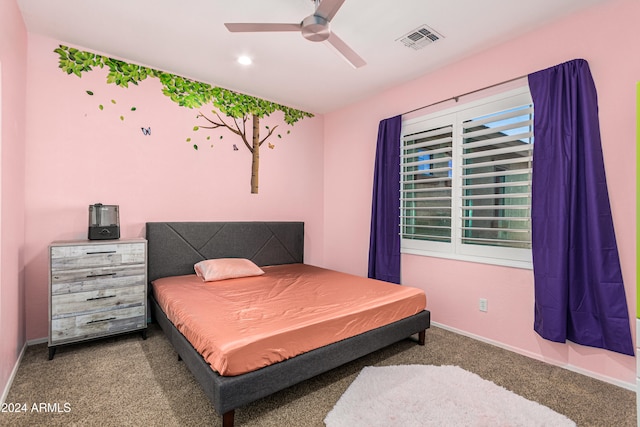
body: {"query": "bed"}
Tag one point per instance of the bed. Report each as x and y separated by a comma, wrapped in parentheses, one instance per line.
(173, 250)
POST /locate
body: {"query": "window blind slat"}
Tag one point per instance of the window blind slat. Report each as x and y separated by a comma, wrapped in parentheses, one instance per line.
(426, 190)
(428, 133)
(499, 144)
(505, 162)
(494, 218)
(495, 207)
(471, 187)
(431, 161)
(446, 150)
(497, 196)
(516, 112)
(423, 181)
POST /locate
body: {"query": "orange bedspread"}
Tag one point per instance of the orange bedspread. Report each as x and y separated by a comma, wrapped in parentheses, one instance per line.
(240, 325)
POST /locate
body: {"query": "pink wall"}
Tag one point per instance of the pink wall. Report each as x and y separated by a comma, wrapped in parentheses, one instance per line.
(13, 65)
(78, 155)
(608, 38)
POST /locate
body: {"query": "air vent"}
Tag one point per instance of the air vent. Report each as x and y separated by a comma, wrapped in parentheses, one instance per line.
(420, 37)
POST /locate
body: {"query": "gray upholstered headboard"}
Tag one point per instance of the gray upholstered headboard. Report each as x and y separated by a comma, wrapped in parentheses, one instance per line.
(174, 247)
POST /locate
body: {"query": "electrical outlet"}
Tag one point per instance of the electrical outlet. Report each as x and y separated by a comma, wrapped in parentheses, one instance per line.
(483, 304)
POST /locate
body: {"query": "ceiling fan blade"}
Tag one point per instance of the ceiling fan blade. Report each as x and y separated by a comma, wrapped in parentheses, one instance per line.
(345, 51)
(250, 28)
(328, 8)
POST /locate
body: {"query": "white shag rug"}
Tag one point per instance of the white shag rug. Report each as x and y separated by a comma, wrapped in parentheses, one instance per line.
(422, 395)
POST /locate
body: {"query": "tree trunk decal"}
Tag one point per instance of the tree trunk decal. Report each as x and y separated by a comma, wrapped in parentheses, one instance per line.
(255, 152)
(238, 108)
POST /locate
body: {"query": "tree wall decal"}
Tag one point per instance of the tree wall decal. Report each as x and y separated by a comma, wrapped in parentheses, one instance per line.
(237, 107)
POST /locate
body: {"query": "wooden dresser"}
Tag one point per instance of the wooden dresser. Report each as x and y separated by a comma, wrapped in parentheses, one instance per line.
(97, 288)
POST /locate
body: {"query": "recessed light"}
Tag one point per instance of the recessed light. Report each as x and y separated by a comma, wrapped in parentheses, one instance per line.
(244, 60)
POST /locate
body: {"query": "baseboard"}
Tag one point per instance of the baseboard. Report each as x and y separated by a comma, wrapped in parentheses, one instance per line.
(629, 386)
(5, 392)
(37, 341)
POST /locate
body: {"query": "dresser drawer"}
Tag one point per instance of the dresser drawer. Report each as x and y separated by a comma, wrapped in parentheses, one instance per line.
(90, 279)
(75, 328)
(65, 305)
(85, 256)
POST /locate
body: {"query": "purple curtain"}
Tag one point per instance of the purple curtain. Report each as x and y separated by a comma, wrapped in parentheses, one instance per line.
(384, 244)
(579, 292)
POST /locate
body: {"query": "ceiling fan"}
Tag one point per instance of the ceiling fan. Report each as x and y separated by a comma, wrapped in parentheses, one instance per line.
(315, 27)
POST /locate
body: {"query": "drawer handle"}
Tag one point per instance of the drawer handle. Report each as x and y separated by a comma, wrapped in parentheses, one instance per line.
(101, 252)
(104, 297)
(101, 320)
(101, 275)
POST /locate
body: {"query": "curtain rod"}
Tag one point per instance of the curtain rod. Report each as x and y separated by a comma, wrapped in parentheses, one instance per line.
(456, 98)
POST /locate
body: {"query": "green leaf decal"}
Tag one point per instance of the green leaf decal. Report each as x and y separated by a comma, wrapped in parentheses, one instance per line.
(190, 94)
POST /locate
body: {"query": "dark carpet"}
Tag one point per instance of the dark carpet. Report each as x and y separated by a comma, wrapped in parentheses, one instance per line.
(127, 381)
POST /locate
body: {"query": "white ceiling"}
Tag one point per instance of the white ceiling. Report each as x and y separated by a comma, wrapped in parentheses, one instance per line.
(188, 38)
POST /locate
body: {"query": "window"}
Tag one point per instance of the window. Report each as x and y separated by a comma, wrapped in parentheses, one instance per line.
(466, 181)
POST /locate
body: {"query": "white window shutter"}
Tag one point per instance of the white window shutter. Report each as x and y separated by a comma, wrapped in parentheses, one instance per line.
(466, 181)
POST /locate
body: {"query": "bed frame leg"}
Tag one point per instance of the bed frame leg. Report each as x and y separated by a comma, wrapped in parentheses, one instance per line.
(422, 337)
(227, 418)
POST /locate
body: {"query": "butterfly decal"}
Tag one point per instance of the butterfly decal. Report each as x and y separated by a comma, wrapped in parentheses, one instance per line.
(146, 131)
(235, 147)
(271, 145)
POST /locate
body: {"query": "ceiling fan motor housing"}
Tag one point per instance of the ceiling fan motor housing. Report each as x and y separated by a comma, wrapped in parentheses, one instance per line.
(315, 28)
